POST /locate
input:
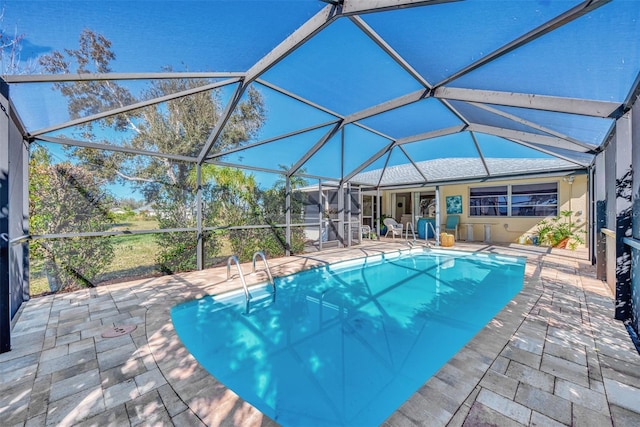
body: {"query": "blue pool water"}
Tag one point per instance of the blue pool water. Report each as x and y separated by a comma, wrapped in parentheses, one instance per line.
(348, 343)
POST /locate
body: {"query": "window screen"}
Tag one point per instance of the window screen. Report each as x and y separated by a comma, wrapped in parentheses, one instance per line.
(488, 201)
(534, 199)
(514, 200)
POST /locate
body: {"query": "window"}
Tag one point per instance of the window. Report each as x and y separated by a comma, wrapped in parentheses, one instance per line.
(534, 199)
(488, 201)
(514, 200)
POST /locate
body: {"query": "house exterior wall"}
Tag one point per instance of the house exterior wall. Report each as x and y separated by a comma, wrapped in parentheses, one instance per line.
(507, 229)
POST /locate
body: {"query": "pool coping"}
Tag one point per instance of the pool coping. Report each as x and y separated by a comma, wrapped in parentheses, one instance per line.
(438, 399)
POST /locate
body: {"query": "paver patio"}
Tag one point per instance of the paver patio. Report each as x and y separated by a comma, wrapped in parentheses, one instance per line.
(552, 356)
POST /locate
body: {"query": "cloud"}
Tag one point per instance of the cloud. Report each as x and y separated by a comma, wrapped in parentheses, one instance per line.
(32, 51)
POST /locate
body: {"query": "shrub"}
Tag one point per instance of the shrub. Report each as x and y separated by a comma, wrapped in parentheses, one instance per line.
(66, 198)
(559, 231)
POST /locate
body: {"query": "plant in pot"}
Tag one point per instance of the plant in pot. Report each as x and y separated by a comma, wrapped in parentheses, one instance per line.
(383, 228)
(559, 232)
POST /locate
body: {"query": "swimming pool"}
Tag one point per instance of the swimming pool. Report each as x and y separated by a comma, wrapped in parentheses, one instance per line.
(348, 343)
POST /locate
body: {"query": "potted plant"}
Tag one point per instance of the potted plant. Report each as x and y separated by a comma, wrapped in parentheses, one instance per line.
(383, 228)
(559, 232)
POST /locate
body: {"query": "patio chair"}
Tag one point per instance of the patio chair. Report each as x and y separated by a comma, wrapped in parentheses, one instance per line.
(365, 232)
(452, 225)
(393, 227)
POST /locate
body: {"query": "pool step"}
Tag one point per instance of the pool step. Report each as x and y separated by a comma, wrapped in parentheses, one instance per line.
(260, 300)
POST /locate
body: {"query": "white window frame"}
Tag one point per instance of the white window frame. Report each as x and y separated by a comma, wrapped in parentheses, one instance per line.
(509, 195)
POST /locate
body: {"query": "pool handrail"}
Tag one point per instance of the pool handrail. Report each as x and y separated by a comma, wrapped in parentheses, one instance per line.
(266, 266)
(244, 283)
(409, 225)
(435, 236)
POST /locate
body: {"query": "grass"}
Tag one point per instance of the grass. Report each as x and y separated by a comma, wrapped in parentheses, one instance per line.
(134, 256)
(135, 224)
(38, 284)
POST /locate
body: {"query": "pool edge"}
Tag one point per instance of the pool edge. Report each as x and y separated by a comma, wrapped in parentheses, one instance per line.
(201, 392)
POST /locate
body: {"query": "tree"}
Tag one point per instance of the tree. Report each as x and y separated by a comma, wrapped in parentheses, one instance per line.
(129, 203)
(62, 198)
(274, 202)
(66, 198)
(10, 50)
(239, 201)
(179, 126)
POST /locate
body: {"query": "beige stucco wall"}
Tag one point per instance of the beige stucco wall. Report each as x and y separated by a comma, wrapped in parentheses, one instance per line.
(510, 229)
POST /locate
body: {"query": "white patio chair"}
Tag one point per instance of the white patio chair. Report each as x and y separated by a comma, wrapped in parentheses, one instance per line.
(393, 227)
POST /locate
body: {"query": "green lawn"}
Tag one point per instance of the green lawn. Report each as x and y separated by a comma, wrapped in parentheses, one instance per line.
(134, 256)
(37, 280)
(136, 224)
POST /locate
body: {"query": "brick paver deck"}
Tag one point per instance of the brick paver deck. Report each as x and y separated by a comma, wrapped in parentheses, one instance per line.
(552, 356)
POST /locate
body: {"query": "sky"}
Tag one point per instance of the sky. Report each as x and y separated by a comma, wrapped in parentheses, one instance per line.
(191, 36)
(343, 70)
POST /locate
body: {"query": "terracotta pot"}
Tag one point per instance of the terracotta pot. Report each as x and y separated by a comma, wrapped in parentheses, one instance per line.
(562, 244)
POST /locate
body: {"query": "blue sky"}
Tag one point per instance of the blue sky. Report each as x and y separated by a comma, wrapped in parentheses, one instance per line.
(194, 33)
(344, 70)
(191, 36)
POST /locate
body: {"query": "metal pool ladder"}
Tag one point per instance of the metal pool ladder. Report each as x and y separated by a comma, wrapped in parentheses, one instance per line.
(409, 225)
(266, 267)
(244, 283)
(247, 296)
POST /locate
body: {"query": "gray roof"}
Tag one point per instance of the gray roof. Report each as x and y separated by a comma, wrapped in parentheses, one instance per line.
(459, 168)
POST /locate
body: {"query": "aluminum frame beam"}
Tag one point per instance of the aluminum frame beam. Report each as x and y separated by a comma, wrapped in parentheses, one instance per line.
(222, 121)
(318, 145)
(321, 20)
(365, 28)
(560, 20)
(310, 28)
(326, 110)
(132, 107)
(273, 171)
(455, 111)
(633, 95)
(392, 104)
(431, 134)
(484, 162)
(74, 77)
(298, 98)
(99, 146)
(108, 233)
(550, 153)
(412, 162)
(273, 139)
(384, 168)
(583, 107)
(6, 174)
(532, 125)
(352, 7)
(475, 179)
(17, 120)
(529, 137)
(369, 161)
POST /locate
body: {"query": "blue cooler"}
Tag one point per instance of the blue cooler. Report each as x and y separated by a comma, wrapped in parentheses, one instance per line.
(424, 231)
